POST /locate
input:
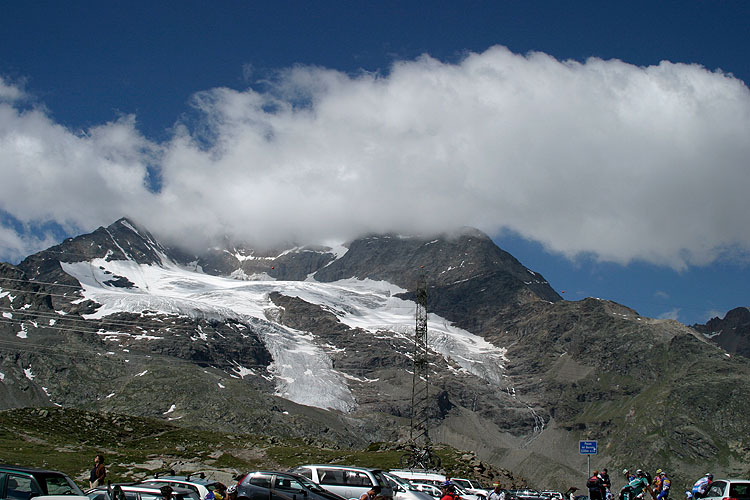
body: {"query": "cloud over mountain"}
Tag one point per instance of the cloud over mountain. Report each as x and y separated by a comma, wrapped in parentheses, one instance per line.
(599, 157)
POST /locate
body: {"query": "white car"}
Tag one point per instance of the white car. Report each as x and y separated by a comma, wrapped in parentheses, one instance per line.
(200, 485)
(471, 486)
(420, 477)
(554, 495)
(434, 490)
(348, 482)
(728, 488)
(404, 490)
(430, 489)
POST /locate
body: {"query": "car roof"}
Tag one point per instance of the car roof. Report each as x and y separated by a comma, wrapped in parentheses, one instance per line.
(30, 470)
(349, 467)
(186, 479)
(144, 487)
(289, 473)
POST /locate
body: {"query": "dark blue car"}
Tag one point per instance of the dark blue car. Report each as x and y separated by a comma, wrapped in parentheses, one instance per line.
(275, 485)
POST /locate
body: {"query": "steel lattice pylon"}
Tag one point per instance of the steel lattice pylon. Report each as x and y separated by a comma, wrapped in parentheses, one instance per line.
(421, 455)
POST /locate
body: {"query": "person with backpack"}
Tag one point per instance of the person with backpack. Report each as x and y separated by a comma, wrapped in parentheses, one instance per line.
(666, 484)
(449, 491)
(595, 486)
(636, 487)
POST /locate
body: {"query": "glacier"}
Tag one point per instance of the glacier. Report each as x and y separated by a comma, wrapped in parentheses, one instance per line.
(301, 368)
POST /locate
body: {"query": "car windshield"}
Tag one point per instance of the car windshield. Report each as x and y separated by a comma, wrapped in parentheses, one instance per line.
(57, 484)
(739, 490)
(400, 482)
(307, 483)
(380, 478)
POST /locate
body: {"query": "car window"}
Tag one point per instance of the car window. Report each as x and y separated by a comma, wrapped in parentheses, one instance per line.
(287, 483)
(331, 476)
(380, 479)
(716, 489)
(98, 495)
(151, 496)
(358, 478)
(21, 487)
(304, 471)
(262, 480)
(308, 484)
(191, 487)
(59, 485)
(739, 491)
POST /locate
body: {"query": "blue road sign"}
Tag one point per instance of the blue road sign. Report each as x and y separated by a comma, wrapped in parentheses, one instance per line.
(587, 447)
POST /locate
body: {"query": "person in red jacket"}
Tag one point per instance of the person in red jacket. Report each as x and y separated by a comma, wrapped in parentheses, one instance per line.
(449, 491)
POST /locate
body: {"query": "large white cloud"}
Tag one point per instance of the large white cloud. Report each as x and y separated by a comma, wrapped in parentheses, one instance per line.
(602, 157)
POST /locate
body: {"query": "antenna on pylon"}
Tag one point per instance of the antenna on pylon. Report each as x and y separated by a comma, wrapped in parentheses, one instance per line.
(420, 455)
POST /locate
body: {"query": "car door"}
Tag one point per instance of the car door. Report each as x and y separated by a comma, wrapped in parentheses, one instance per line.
(287, 488)
(259, 486)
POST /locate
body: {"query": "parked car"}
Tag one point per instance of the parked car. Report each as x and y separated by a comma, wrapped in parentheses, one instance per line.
(139, 491)
(24, 483)
(348, 482)
(471, 486)
(527, 494)
(435, 491)
(738, 489)
(430, 489)
(197, 483)
(275, 485)
(404, 490)
(554, 495)
(421, 477)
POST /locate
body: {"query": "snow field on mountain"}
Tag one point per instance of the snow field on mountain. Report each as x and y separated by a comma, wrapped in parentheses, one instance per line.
(303, 371)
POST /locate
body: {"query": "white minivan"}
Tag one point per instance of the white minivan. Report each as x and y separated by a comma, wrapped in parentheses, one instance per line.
(348, 482)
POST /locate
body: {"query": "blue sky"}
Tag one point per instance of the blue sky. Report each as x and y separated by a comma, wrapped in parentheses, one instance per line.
(553, 126)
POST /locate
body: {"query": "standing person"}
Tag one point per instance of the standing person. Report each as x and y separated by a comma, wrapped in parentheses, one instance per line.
(656, 483)
(666, 483)
(701, 485)
(371, 493)
(606, 484)
(570, 494)
(594, 484)
(98, 473)
(497, 493)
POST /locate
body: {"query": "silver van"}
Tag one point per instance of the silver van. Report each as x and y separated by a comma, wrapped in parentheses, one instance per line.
(348, 482)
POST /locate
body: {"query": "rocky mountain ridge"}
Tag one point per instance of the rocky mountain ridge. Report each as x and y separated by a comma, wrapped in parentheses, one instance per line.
(518, 374)
(732, 332)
